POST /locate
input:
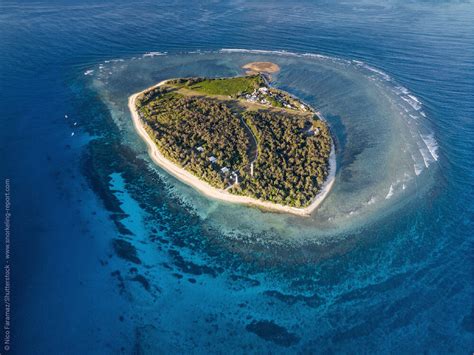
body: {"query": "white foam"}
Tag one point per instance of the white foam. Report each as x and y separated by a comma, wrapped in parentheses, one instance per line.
(414, 108)
(401, 89)
(427, 158)
(256, 51)
(431, 144)
(89, 72)
(153, 54)
(412, 101)
(321, 56)
(378, 71)
(390, 193)
(414, 98)
(429, 148)
(418, 169)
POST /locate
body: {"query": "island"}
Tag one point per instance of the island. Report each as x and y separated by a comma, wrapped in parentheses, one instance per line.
(261, 67)
(238, 139)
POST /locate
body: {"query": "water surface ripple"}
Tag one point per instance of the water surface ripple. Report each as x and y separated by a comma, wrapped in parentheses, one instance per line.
(111, 255)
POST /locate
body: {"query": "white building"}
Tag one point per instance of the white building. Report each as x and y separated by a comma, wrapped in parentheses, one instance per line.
(212, 159)
(236, 177)
(225, 170)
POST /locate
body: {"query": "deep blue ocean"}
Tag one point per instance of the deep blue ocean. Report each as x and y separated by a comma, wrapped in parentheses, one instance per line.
(110, 255)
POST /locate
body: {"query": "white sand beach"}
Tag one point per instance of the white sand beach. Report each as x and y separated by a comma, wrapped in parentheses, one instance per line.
(220, 194)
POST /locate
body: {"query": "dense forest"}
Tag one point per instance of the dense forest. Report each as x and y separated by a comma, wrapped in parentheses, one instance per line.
(215, 140)
(292, 163)
(192, 131)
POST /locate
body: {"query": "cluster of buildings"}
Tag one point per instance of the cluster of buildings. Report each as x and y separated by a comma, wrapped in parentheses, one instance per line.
(314, 131)
(259, 95)
(224, 170)
(262, 96)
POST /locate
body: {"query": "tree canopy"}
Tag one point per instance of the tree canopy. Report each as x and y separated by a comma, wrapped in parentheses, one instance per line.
(218, 139)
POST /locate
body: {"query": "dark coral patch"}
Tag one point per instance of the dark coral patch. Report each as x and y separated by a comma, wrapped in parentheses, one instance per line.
(126, 250)
(143, 281)
(311, 301)
(273, 332)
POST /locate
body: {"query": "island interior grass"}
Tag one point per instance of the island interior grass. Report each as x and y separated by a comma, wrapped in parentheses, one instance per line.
(241, 136)
(227, 86)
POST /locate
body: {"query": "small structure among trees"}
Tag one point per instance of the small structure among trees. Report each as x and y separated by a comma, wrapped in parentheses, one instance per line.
(277, 152)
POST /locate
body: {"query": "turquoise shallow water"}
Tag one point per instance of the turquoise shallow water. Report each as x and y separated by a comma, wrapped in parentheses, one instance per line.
(112, 255)
(386, 151)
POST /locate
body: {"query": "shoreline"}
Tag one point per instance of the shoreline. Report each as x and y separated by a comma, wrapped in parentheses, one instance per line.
(261, 67)
(219, 194)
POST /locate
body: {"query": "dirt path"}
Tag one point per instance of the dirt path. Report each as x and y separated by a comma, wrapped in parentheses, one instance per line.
(215, 193)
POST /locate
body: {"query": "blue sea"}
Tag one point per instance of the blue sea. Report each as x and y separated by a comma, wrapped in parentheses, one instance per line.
(111, 255)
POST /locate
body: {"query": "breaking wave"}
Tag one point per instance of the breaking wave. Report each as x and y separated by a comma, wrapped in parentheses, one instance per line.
(379, 176)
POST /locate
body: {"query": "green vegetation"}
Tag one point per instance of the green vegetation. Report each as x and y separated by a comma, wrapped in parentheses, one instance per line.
(190, 130)
(274, 102)
(292, 162)
(214, 137)
(225, 86)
